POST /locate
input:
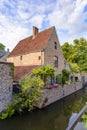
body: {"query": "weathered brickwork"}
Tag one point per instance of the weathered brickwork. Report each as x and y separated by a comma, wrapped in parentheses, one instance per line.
(5, 85)
(49, 96)
(50, 52)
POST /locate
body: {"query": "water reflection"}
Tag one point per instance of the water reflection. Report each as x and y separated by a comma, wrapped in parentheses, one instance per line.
(53, 117)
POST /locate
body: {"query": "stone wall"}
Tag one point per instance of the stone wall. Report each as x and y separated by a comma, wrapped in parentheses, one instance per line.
(5, 85)
(84, 79)
(50, 52)
(49, 96)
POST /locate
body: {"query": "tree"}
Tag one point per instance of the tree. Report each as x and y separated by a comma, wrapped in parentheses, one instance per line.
(74, 67)
(75, 54)
(68, 51)
(2, 47)
(81, 49)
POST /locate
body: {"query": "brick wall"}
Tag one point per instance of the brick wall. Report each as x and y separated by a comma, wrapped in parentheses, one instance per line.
(5, 85)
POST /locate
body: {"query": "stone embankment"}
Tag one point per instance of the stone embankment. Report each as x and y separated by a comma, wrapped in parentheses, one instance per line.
(49, 96)
(5, 85)
(84, 79)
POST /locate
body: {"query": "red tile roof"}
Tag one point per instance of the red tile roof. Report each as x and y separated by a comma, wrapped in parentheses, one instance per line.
(21, 71)
(31, 44)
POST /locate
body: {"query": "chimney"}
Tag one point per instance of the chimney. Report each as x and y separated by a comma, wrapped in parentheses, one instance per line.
(7, 49)
(35, 31)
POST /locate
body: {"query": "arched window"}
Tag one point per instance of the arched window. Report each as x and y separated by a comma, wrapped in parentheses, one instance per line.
(55, 61)
(55, 45)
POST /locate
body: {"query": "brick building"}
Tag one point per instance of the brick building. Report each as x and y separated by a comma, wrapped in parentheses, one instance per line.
(41, 48)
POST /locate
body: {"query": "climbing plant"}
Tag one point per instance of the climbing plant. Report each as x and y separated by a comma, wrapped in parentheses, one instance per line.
(44, 72)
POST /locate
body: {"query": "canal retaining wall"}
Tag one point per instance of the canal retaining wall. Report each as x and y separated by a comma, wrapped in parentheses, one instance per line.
(49, 96)
(5, 85)
(84, 79)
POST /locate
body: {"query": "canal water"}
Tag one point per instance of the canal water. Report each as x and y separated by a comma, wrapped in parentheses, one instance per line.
(54, 117)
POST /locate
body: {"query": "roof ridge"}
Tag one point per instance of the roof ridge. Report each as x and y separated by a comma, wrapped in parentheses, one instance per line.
(47, 29)
(38, 33)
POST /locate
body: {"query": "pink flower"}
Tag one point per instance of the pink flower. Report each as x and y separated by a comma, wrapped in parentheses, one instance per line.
(53, 85)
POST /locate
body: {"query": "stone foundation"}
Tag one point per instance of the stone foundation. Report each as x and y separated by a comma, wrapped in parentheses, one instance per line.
(49, 96)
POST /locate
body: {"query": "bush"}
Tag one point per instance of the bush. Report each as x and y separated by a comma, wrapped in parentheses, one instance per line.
(29, 94)
(31, 90)
(45, 73)
(65, 76)
(59, 79)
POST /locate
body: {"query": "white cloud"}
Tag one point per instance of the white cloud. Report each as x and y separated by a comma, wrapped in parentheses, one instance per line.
(11, 37)
(15, 27)
(18, 16)
(10, 33)
(69, 15)
(37, 20)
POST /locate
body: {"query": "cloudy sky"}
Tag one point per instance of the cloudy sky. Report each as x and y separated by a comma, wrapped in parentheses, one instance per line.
(18, 16)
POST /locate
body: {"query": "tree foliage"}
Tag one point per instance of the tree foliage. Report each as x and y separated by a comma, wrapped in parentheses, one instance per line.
(29, 94)
(31, 90)
(2, 47)
(65, 76)
(75, 54)
(45, 72)
(85, 119)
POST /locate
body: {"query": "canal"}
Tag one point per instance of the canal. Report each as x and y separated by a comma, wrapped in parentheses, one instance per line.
(53, 117)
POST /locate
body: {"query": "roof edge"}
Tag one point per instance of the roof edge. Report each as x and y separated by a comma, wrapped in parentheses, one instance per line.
(50, 35)
(26, 53)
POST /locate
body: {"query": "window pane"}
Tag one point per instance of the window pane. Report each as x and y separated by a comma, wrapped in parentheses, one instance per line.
(55, 45)
(55, 61)
(20, 57)
(39, 57)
